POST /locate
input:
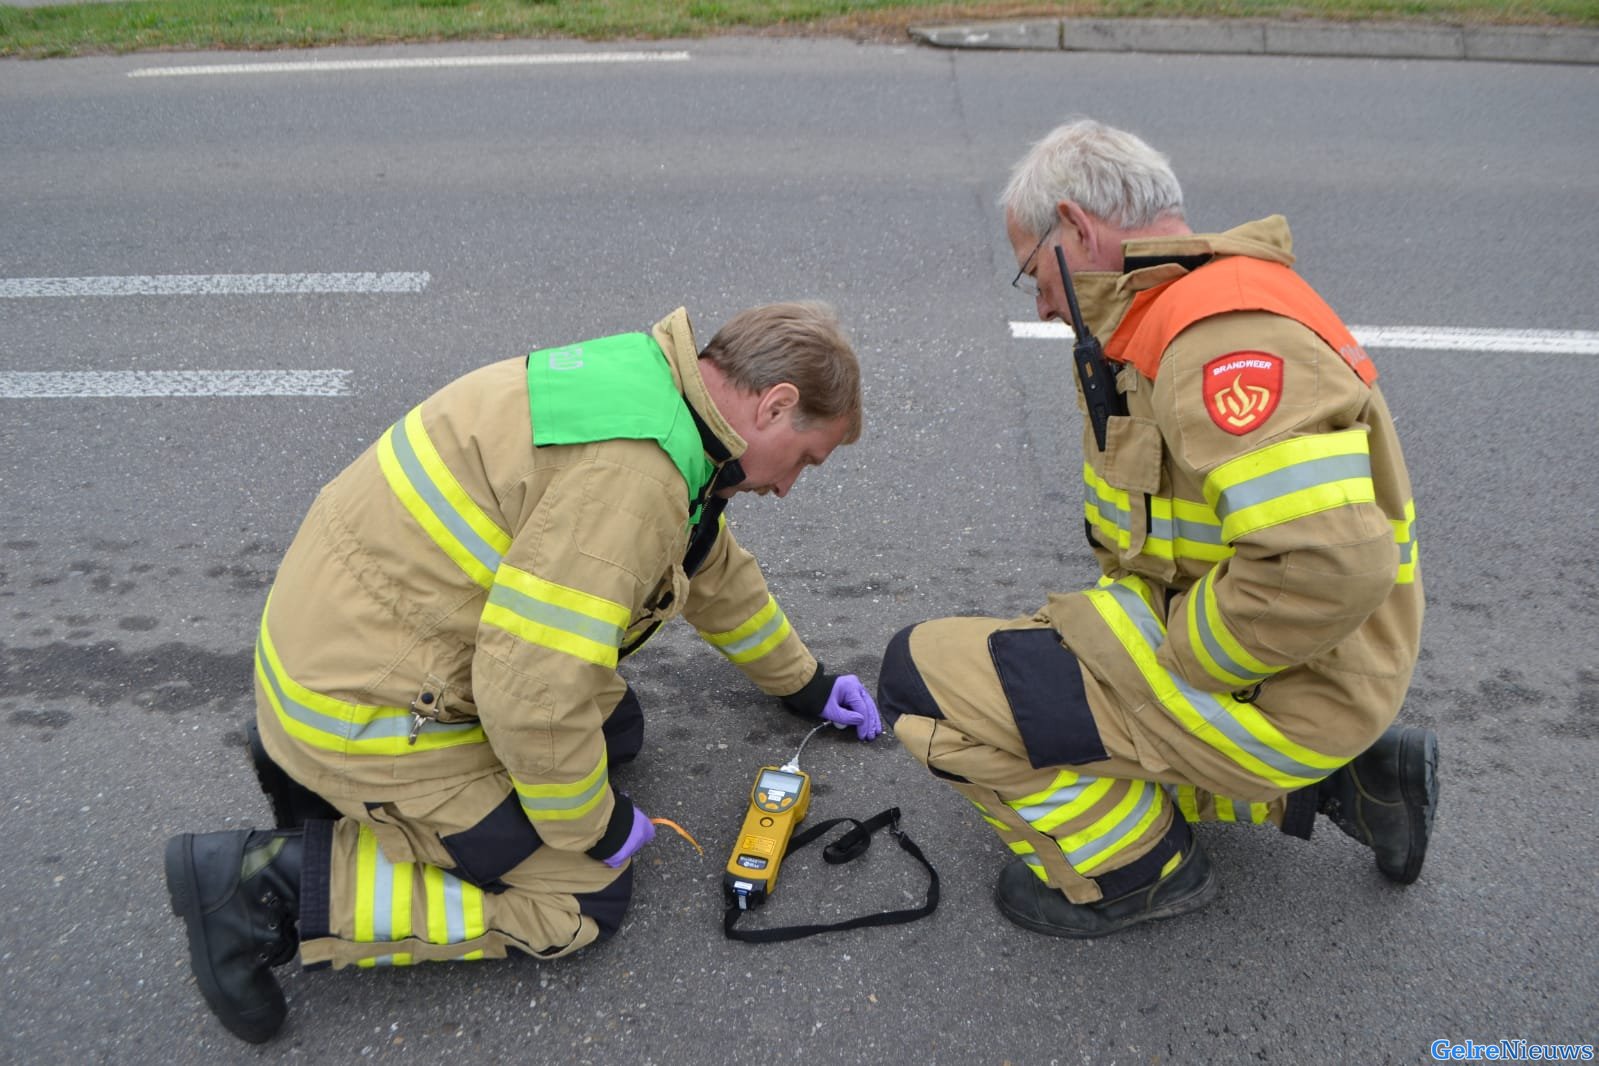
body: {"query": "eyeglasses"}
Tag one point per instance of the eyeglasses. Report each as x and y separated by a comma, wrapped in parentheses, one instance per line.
(1023, 280)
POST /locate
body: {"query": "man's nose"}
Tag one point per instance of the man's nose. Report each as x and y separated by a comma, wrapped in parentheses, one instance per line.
(1042, 306)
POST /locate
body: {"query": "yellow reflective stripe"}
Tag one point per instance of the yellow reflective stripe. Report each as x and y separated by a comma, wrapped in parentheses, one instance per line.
(564, 802)
(1290, 479)
(1020, 847)
(1108, 509)
(996, 823)
(1218, 651)
(1188, 803)
(1184, 529)
(1238, 730)
(1068, 796)
(428, 490)
(366, 849)
(1224, 809)
(438, 920)
(762, 632)
(1114, 832)
(1409, 550)
(1259, 813)
(558, 617)
(349, 728)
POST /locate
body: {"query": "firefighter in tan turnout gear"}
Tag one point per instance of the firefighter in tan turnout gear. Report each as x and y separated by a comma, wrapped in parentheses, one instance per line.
(1246, 651)
(436, 669)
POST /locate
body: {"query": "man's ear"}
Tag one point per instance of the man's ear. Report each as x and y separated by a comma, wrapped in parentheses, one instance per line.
(1088, 230)
(777, 402)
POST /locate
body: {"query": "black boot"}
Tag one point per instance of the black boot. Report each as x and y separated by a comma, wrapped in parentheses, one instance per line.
(238, 895)
(1031, 904)
(1386, 799)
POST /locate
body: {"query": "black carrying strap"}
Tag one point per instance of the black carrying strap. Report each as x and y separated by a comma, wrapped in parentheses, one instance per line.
(850, 846)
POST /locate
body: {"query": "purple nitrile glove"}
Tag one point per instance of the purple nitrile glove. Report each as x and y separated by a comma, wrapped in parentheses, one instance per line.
(850, 704)
(642, 833)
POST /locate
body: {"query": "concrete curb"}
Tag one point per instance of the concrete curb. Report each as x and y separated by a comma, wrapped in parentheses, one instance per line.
(1513, 44)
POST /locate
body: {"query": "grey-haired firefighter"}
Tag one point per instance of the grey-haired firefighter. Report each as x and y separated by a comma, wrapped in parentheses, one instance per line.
(1248, 647)
(436, 669)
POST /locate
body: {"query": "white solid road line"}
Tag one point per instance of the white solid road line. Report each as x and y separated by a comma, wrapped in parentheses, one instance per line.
(318, 66)
(1430, 338)
(214, 285)
(95, 384)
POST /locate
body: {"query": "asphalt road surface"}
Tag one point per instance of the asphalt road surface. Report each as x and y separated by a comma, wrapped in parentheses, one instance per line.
(470, 213)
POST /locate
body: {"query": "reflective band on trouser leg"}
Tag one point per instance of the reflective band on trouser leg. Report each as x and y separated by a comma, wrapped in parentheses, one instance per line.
(758, 635)
(1235, 729)
(1095, 822)
(1199, 805)
(555, 616)
(1039, 850)
(399, 901)
(348, 728)
(418, 476)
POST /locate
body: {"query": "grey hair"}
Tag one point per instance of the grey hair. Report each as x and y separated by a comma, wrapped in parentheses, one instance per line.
(1111, 173)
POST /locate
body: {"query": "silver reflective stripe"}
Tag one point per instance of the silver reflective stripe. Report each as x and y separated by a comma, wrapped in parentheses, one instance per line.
(1055, 800)
(744, 644)
(389, 725)
(1178, 528)
(1291, 479)
(1080, 855)
(454, 910)
(459, 528)
(382, 904)
(563, 618)
(536, 805)
(1109, 509)
(1207, 635)
(1209, 706)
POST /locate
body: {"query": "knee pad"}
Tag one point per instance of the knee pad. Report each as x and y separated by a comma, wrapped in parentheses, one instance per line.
(900, 688)
(624, 729)
(608, 905)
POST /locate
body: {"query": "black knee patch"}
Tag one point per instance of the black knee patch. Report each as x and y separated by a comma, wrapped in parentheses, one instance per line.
(608, 905)
(1044, 687)
(497, 844)
(624, 730)
(900, 688)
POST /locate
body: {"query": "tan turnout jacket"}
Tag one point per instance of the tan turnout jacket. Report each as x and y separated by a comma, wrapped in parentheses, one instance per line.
(456, 570)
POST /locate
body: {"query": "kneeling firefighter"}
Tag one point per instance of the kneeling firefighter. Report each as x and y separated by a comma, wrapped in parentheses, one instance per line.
(437, 694)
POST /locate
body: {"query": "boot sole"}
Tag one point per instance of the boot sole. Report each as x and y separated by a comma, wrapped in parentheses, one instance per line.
(185, 903)
(1196, 899)
(1418, 762)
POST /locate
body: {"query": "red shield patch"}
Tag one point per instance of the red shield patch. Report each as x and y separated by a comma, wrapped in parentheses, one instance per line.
(1242, 389)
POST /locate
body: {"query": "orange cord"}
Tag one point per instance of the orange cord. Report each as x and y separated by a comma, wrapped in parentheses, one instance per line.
(680, 831)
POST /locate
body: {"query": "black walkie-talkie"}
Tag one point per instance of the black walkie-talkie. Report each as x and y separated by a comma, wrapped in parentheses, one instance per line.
(1093, 369)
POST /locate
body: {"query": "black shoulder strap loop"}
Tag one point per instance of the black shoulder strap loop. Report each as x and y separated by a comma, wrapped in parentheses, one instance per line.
(850, 845)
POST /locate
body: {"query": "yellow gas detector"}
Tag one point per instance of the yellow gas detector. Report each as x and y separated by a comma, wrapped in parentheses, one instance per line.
(778, 803)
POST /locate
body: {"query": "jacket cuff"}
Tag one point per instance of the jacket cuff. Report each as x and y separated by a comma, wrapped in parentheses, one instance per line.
(809, 701)
(616, 832)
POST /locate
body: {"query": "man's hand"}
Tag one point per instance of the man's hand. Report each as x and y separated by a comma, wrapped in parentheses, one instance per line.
(850, 704)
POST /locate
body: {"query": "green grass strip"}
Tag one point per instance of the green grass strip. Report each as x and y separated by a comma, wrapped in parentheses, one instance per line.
(144, 25)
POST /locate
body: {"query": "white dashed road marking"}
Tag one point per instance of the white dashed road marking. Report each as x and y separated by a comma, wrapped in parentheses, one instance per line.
(320, 66)
(1430, 338)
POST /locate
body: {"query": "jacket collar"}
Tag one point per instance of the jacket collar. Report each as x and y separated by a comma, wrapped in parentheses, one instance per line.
(1105, 296)
(676, 337)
